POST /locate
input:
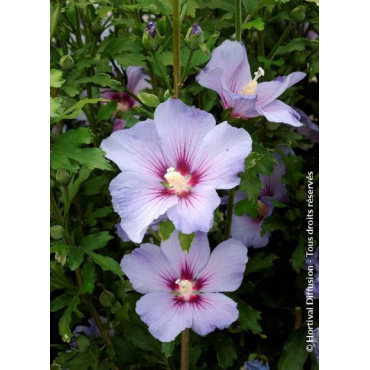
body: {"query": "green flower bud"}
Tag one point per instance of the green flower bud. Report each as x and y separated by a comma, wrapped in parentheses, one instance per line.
(298, 14)
(83, 343)
(106, 298)
(66, 62)
(194, 37)
(63, 177)
(151, 36)
(57, 232)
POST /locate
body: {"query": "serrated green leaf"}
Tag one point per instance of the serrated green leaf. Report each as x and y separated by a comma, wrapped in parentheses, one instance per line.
(249, 318)
(75, 185)
(252, 160)
(66, 152)
(257, 23)
(165, 229)
(294, 353)
(260, 261)
(96, 241)
(88, 278)
(101, 79)
(75, 257)
(56, 78)
(60, 302)
(251, 184)
(106, 263)
(149, 99)
(186, 240)
(246, 206)
(65, 320)
(107, 110)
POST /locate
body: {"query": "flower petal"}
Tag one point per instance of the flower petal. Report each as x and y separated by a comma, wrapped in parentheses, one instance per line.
(136, 79)
(149, 269)
(248, 230)
(195, 212)
(225, 268)
(188, 264)
(165, 317)
(231, 58)
(181, 129)
(277, 111)
(213, 310)
(137, 149)
(269, 91)
(219, 165)
(139, 199)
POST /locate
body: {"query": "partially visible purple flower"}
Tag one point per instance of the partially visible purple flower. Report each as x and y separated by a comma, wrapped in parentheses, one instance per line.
(196, 30)
(228, 73)
(248, 229)
(255, 365)
(91, 329)
(151, 27)
(118, 124)
(171, 165)
(316, 343)
(309, 129)
(136, 81)
(181, 289)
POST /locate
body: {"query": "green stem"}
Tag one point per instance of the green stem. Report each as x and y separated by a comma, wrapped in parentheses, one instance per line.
(55, 19)
(271, 54)
(176, 48)
(162, 71)
(238, 20)
(55, 209)
(78, 28)
(187, 65)
(230, 211)
(185, 349)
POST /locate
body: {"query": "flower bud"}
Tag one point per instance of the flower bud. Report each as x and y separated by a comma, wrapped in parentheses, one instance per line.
(151, 36)
(57, 232)
(66, 62)
(194, 37)
(106, 298)
(63, 177)
(298, 14)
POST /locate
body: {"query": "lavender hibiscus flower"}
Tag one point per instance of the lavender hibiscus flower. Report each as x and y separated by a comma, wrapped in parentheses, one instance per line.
(248, 229)
(91, 329)
(171, 165)
(228, 73)
(255, 365)
(136, 81)
(181, 289)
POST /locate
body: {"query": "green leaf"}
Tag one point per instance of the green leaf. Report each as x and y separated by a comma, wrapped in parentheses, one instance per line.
(298, 44)
(299, 256)
(250, 5)
(56, 78)
(106, 263)
(249, 318)
(101, 79)
(58, 280)
(60, 302)
(149, 99)
(252, 160)
(226, 354)
(93, 216)
(65, 320)
(186, 240)
(75, 185)
(260, 261)
(165, 229)
(257, 23)
(251, 184)
(246, 206)
(167, 348)
(88, 278)
(106, 110)
(96, 241)
(75, 257)
(56, 108)
(66, 153)
(294, 353)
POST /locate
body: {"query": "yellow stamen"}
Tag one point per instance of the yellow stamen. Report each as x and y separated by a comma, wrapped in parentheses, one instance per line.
(176, 181)
(251, 87)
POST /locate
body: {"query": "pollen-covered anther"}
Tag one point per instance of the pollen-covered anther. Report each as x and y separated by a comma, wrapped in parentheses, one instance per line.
(185, 288)
(176, 181)
(251, 87)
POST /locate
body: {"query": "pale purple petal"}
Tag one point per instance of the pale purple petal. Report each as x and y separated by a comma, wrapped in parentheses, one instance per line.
(187, 263)
(148, 269)
(231, 58)
(139, 199)
(195, 212)
(164, 316)
(181, 129)
(225, 268)
(247, 229)
(219, 164)
(214, 310)
(277, 111)
(137, 149)
(269, 91)
(136, 79)
(243, 105)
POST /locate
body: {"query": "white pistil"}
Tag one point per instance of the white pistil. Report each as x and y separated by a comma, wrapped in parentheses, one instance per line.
(251, 87)
(176, 181)
(185, 288)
